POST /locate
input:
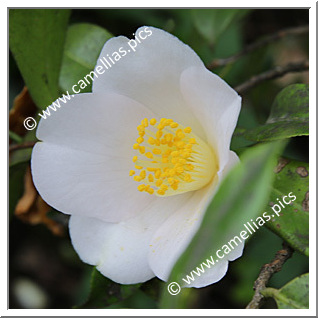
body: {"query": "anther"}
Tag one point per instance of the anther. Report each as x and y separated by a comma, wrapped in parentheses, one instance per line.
(176, 160)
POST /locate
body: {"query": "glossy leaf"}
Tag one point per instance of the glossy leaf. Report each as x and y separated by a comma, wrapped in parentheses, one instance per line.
(82, 47)
(293, 221)
(294, 295)
(241, 196)
(289, 116)
(36, 39)
(104, 292)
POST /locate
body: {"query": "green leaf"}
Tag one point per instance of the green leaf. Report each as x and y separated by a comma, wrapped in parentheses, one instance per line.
(36, 39)
(138, 300)
(23, 155)
(294, 295)
(239, 141)
(241, 196)
(15, 137)
(104, 292)
(211, 24)
(16, 184)
(289, 116)
(82, 47)
(293, 221)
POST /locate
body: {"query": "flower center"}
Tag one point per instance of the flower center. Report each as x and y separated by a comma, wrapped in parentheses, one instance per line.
(172, 159)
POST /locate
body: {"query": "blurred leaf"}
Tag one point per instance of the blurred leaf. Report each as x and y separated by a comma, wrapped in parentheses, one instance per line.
(36, 40)
(247, 120)
(104, 292)
(16, 184)
(23, 154)
(240, 197)
(15, 137)
(212, 23)
(294, 295)
(82, 47)
(20, 155)
(138, 300)
(293, 223)
(289, 116)
(228, 44)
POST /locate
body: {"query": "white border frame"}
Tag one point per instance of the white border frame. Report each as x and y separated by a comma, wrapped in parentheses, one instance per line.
(312, 156)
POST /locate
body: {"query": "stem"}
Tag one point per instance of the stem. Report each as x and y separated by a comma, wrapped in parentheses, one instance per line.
(267, 271)
(258, 44)
(278, 71)
(277, 295)
(269, 292)
(28, 144)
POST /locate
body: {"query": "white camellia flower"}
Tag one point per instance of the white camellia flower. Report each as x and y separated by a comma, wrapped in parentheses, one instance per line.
(137, 161)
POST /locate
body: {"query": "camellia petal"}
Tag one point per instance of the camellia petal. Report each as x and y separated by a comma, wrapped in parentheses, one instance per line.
(117, 250)
(236, 252)
(216, 105)
(172, 238)
(120, 250)
(82, 165)
(151, 74)
(210, 276)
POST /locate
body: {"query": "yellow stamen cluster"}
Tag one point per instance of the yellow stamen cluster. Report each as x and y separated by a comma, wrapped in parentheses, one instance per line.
(172, 159)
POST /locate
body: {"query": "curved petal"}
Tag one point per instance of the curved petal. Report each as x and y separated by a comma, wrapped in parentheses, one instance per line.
(211, 275)
(151, 74)
(120, 250)
(118, 256)
(216, 104)
(82, 166)
(232, 160)
(173, 237)
(236, 252)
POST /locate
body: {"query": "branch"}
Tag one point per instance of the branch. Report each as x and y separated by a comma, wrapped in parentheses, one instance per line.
(267, 272)
(258, 44)
(28, 144)
(276, 72)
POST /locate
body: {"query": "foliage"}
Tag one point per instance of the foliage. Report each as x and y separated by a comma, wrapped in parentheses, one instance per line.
(292, 224)
(36, 41)
(16, 176)
(211, 24)
(289, 116)
(82, 47)
(293, 295)
(103, 292)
